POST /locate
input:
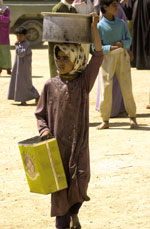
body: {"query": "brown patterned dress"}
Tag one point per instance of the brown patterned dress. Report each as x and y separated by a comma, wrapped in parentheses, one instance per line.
(63, 108)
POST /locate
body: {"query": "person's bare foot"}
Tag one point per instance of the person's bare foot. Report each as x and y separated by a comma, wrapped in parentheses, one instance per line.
(75, 224)
(103, 125)
(133, 123)
(23, 104)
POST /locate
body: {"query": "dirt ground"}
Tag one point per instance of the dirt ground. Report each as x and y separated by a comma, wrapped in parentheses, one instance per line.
(120, 162)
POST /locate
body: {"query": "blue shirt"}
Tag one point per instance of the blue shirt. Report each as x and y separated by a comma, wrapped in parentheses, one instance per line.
(113, 31)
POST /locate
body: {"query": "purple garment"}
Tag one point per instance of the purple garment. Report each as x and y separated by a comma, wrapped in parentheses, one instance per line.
(4, 26)
(121, 13)
(21, 88)
(63, 108)
(117, 99)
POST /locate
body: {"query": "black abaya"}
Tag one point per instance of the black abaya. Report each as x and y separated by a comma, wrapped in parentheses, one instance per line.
(141, 34)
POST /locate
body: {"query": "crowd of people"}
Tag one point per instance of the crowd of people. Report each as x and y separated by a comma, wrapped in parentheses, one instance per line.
(63, 106)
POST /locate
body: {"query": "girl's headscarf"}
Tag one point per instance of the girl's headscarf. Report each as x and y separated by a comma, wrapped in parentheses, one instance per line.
(76, 55)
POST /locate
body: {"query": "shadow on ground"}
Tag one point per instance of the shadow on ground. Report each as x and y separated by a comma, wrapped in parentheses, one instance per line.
(9, 76)
(117, 125)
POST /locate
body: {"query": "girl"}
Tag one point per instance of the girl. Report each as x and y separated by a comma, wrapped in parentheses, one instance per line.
(63, 111)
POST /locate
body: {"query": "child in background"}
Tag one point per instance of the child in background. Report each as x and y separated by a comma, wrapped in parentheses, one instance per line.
(84, 7)
(63, 112)
(115, 42)
(21, 88)
(118, 108)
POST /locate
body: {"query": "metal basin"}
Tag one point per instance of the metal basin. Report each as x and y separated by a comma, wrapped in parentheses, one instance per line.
(67, 28)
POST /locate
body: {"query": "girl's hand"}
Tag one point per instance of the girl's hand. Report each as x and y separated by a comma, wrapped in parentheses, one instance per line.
(46, 135)
(95, 19)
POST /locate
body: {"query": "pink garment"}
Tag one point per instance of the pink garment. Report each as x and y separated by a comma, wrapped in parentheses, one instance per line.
(4, 27)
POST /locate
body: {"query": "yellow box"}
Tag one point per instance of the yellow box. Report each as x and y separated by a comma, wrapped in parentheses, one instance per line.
(43, 165)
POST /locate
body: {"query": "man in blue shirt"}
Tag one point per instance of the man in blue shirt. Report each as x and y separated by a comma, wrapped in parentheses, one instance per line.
(115, 42)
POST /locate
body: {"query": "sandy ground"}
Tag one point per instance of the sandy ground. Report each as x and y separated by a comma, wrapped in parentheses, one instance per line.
(120, 162)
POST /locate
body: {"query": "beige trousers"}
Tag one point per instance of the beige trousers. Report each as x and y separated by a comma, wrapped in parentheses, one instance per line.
(116, 62)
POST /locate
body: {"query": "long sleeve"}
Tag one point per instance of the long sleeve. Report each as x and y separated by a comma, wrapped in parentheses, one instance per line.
(127, 38)
(23, 49)
(41, 111)
(92, 69)
(113, 31)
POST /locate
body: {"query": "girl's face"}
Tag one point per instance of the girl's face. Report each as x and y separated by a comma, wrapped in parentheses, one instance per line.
(20, 37)
(112, 9)
(63, 62)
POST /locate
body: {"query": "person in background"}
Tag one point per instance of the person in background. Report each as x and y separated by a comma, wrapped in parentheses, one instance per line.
(141, 34)
(83, 6)
(5, 54)
(20, 87)
(128, 8)
(120, 13)
(64, 6)
(118, 108)
(116, 40)
(63, 112)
